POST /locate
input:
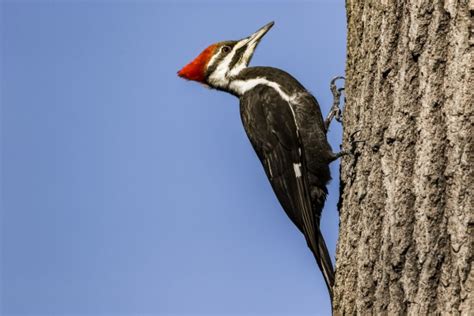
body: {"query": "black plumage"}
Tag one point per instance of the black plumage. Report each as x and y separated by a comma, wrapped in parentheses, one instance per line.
(285, 139)
(311, 128)
(284, 124)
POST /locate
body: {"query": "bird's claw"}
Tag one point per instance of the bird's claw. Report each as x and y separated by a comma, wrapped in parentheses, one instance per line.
(335, 111)
(333, 81)
(353, 146)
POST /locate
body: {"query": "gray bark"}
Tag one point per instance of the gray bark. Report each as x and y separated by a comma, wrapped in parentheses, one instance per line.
(405, 244)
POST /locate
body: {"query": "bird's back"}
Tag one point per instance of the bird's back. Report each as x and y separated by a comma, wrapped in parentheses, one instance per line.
(318, 152)
(273, 129)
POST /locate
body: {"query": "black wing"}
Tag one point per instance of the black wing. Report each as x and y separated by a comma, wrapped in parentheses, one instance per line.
(270, 125)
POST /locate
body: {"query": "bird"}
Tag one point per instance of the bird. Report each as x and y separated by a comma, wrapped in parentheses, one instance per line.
(285, 126)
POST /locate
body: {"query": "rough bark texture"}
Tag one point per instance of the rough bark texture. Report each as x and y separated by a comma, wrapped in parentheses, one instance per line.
(405, 244)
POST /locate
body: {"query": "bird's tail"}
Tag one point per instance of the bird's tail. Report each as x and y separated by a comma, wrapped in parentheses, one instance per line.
(324, 261)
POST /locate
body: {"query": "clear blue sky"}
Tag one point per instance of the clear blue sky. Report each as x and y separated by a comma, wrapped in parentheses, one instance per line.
(127, 190)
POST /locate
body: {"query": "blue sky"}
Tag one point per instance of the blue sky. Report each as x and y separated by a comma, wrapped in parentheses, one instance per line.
(127, 190)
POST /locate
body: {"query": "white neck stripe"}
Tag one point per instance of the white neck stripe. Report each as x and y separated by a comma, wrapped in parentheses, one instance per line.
(241, 86)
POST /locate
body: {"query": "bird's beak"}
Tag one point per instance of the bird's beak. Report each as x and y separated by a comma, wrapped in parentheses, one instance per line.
(257, 36)
(250, 43)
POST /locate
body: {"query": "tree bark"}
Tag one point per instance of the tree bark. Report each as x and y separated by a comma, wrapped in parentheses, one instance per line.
(405, 243)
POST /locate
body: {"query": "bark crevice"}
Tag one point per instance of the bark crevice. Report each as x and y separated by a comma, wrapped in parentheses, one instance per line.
(405, 244)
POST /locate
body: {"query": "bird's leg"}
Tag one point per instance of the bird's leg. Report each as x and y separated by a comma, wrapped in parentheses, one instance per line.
(335, 111)
(351, 151)
(340, 154)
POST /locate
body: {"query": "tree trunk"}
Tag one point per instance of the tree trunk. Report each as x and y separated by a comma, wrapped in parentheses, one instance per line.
(405, 244)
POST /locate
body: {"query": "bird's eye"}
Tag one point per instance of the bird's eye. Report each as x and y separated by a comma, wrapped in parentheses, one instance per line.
(225, 49)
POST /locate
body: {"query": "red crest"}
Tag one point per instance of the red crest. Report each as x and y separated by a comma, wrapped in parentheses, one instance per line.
(196, 69)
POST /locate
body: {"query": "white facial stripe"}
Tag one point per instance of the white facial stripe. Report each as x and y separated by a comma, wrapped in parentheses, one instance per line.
(213, 59)
(251, 43)
(244, 60)
(249, 51)
(220, 76)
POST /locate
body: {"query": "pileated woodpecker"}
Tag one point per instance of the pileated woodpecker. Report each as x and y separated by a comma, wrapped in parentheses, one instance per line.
(284, 124)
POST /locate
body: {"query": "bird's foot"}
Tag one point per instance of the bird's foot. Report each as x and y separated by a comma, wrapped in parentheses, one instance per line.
(335, 111)
(353, 146)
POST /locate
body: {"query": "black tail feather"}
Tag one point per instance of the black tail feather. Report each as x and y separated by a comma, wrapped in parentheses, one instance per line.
(323, 259)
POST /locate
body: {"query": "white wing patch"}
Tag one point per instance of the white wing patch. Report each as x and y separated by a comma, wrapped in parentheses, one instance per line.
(241, 86)
(297, 168)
